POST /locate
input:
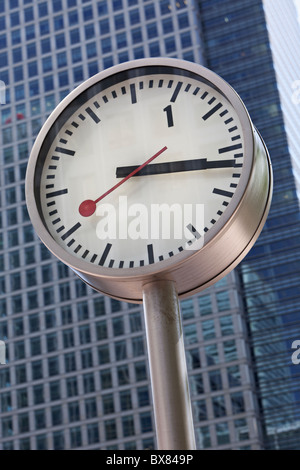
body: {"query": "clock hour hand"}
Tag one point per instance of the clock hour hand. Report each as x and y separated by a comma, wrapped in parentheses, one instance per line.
(174, 167)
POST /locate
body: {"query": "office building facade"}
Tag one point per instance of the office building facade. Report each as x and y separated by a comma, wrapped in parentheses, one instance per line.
(77, 373)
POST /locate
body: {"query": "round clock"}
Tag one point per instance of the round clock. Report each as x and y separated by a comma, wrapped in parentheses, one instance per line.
(149, 170)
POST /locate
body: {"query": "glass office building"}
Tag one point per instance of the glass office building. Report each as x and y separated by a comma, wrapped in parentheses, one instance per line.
(77, 373)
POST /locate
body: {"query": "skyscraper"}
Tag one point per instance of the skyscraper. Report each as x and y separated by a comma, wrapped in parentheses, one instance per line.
(77, 373)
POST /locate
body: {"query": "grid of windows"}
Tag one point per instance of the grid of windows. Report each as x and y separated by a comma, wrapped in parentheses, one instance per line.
(73, 355)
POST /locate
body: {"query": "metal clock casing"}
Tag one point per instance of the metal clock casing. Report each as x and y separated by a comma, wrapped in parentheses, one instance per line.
(226, 240)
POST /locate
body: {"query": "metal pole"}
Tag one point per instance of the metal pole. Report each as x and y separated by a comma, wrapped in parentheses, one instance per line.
(170, 389)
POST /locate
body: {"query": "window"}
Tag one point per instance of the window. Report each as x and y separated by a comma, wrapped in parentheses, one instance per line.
(215, 380)
(108, 404)
(143, 396)
(146, 422)
(105, 379)
(223, 301)
(86, 358)
(190, 333)
(73, 411)
(118, 326)
(56, 415)
(103, 354)
(140, 371)
(71, 385)
(200, 410)
(230, 351)
(234, 376)
(193, 358)
(110, 429)
(241, 429)
(90, 408)
(203, 437)
(222, 433)
(123, 375)
(137, 346)
(205, 305)
(128, 426)
(219, 406)
(208, 329)
(88, 383)
(93, 433)
(187, 309)
(212, 355)
(125, 400)
(120, 350)
(237, 402)
(84, 334)
(226, 325)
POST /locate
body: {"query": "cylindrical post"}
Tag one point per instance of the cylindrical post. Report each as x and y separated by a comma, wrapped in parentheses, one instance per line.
(169, 380)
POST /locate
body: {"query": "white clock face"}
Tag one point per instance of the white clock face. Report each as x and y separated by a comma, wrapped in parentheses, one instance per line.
(194, 139)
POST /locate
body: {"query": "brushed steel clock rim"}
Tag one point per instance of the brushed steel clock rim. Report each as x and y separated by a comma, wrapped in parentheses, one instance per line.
(136, 274)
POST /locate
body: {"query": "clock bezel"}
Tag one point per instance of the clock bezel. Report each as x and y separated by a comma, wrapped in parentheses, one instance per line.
(134, 278)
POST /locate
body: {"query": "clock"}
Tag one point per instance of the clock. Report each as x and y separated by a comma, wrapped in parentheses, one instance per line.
(151, 169)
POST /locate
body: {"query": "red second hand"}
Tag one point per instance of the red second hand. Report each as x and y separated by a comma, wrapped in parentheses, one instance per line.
(88, 207)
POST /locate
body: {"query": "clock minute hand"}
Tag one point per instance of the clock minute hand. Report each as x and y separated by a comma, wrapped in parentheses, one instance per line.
(174, 167)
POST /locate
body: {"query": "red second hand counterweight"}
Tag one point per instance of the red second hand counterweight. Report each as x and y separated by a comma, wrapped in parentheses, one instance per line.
(88, 207)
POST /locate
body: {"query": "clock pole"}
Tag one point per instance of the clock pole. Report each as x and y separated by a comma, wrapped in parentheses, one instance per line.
(169, 379)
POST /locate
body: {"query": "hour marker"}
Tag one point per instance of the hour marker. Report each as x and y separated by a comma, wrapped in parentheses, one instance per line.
(150, 254)
(59, 192)
(65, 151)
(133, 93)
(230, 148)
(92, 115)
(105, 254)
(221, 192)
(71, 231)
(192, 229)
(212, 111)
(170, 120)
(176, 91)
